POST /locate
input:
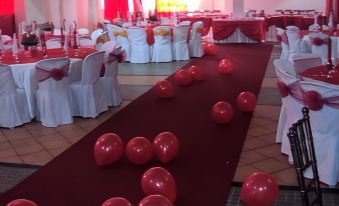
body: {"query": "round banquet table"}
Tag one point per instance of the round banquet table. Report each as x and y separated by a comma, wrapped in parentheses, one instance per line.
(23, 69)
(320, 74)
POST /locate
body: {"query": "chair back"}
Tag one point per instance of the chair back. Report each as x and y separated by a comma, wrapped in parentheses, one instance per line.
(180, 33)
(110, 29)
(284, 68)
(91, 67)
(284, 43)
(83, 31)
(162, 35)
(320, 45)
(111, 49)
(95, 34)
(85, 42)
(7, 84)
(53, 43)
(293, 41)
(101, 39)
(197, 28)
(293, 28)
(303, 152)
(137, 35)
(188, 23)
(119, 33)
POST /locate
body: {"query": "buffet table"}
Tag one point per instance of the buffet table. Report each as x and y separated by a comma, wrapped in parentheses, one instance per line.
(238, 30)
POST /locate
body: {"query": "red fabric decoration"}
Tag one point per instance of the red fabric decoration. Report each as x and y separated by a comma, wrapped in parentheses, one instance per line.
(313, 100)
(57, 74)
(283, 89)
(318, 41)
(7, 7)
(113, 6)
(278, 37)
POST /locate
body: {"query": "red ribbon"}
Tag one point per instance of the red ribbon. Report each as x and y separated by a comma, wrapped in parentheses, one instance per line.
(317, 41)
(56, 73)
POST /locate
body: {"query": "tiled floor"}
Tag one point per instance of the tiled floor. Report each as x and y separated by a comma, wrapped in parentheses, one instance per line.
(35, 144)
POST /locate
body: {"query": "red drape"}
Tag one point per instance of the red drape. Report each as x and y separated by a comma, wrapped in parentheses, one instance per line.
(137, 5)
(329, 7)
(7, 7)
(112, 7)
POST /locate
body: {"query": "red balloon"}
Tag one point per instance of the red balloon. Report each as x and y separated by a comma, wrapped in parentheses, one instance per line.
(108, 149)
(116, 201)
(222, 112)
(225, 66)
(246, 101)
(166, 146)
(196, 73)
(259, 189)
(158, 181)
(183, 77)
(155, 200)
(139, 150)
(164, 89)
(21, 202)
(210, 49)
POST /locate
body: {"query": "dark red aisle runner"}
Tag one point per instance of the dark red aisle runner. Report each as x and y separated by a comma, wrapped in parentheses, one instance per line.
(208, 155)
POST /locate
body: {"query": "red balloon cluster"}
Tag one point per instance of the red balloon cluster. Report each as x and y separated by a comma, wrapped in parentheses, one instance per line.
(222, 112)
(225, 66)
(155, 200)
(166, 146)
(210, 49)
(246, 101)
(164, 89)
(116, 201)
(158, 181)
(183, 77)
(139, 150)
(196, 73)
(259, 189)
(108, 149)
(22, 202)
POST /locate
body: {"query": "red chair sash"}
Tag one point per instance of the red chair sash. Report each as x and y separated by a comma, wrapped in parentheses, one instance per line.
(282, 38)
(292, 90)
(318, 41)
(56, 73)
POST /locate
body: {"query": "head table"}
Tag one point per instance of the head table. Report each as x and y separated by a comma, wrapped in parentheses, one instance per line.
(23, 68)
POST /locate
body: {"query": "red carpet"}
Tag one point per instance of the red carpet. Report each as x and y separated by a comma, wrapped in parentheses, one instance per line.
(208, 155)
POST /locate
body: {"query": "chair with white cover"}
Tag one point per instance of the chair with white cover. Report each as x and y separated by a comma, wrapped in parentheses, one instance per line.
(162, 48)
(6, 42)
(88, 95)
(95, 34)
(164, 19)
(110, 78)
(53, 43)
(121, 36)
(110, 28)
(188, 23)
(320, 42)
(194, 46)
(85, 42)
(180, 46)
(83, 31)
(284, 43)
(13, 101)
(323, 99)
(54, 102)
(57, 31)
(288, 85)
(140, 50)
(101, 39)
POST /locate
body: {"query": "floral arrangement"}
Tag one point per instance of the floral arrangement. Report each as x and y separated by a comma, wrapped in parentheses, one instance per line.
(29, 39)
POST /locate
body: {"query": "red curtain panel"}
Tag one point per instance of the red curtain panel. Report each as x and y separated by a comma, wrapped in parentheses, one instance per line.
(113, 6)
(6, 7)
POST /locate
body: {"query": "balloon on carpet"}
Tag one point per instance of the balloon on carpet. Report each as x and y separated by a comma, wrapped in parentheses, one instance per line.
(225, 66)
(108, 149)
(259, 189)
(164, 89)
(183, 77)
(116, 201)
(139, 150)
(246, 101)
(22, 202)
(196, 73)
(166, 146)
(222, 112)
(155, 200)
(209, 49)
(158, 180)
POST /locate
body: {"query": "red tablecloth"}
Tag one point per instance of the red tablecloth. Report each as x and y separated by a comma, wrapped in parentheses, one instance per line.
(328, 32)
(207, 22)
(320, 73)
(303, 22)
(253, 29)
(26, 57)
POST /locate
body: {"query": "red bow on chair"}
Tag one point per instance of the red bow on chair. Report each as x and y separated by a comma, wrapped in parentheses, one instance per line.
(292, 89)
(318, 41)
(56, 73)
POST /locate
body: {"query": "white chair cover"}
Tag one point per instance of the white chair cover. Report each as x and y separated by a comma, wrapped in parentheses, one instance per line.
(110, 28)
(53, 43)
(57, 31)
(13, 101)
(188, 23)
(54, 102)
(120, 35)
(284, 46)
(321, 50)
(88, 95)
(140, 50)
(162, 48)
(291, 108)
(5, 39)
(85, 42)
(294, 41)
(194, 45)
(95, 34)
(180, 46)
(101, 39)
(83, 31)
(325, 133)
(110, 79)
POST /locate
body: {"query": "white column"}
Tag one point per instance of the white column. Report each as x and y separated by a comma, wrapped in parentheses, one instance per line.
(238, 8)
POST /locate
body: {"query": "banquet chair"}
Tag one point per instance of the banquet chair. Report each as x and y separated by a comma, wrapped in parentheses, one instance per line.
(291, 97)
(110, 28)
(85, 42)
(95, 34)
(304, 157)
(53, 43)
(322, 100)
(284, 43)
(13, 101)
(194, 46)
(140, 50)
(101, 39)
(110, 78)
(88, 95)
(319, 47)
(162, 48)
(57, 31)
(188, 23)
(6, 42)
(83, 31)
(164, 20)
(54, 102)
(180, 46)
(121, 36)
